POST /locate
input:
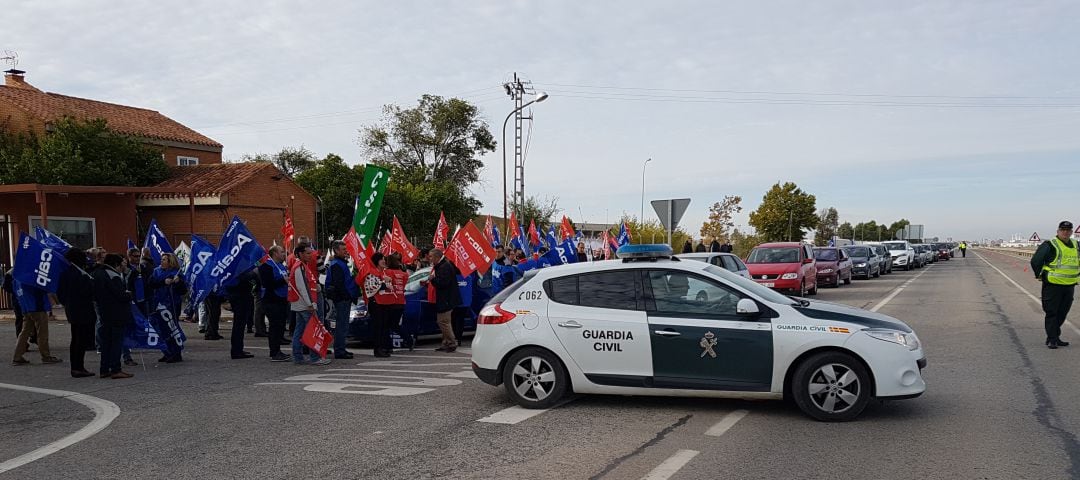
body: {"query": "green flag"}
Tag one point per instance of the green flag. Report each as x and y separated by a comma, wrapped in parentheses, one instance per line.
(369, 202)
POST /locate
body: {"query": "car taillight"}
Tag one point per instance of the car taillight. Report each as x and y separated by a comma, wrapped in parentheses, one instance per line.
(494, 315)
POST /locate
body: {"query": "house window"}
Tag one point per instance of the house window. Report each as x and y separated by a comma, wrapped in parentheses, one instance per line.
(187, 161)
(78, 231)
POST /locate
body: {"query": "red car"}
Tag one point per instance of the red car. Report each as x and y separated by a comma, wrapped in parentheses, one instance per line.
(833, 266)
(784, 266)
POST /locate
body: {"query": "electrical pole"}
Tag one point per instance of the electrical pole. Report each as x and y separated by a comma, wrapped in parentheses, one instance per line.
(517, 89)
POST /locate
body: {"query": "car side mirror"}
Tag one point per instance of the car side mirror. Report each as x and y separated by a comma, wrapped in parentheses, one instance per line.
(747, 307)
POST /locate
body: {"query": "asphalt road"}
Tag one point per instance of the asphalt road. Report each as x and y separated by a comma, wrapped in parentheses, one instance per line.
(999, 405)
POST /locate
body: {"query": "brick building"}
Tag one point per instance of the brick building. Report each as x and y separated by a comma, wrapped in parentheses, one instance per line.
(201, 195)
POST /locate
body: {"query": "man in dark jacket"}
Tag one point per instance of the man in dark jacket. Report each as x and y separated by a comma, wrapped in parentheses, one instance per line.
(343, 292)
(1057, 265)
(447, 297)
(275, 299)
(76, 293)
(114, 305)
(243, 308)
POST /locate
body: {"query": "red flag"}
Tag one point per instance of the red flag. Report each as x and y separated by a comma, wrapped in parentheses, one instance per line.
(316, 337)
(488, 234)
(441, 231)
(386, 247)
(567, 228)
(534, 236)
(287, 230)
(514, 228)
(400, 243)
(361, 257)
(468, 250)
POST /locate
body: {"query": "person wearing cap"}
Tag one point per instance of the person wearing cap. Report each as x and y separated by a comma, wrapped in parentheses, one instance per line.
(1056, 264)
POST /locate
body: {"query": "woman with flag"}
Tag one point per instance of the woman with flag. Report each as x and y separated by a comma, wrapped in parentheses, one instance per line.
(169, 289)
(391, 303)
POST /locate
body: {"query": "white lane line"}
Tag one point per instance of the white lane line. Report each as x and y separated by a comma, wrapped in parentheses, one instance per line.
(104, 413)
(899, 289)
(516, 414)
(726, 423)
(1033, 298)
(671, 465)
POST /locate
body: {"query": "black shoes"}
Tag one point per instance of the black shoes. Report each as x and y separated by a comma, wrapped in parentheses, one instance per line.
(280, 357)
(238, 356)
(382, 353)
(1062, 343)
(344, 356)
(213, 337)
(1054, 343)
(171, 359)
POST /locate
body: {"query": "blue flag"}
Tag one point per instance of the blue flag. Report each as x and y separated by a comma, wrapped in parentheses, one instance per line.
(550, 238)
(158, 243)
(568, 252)
(130, 244)
(523, 242)
(163, 321)
(142, 334)
(495, 236)
(551, 258)
(237, 253)
(37, 265)
(51, 240)
(196, 273)
(624, 236)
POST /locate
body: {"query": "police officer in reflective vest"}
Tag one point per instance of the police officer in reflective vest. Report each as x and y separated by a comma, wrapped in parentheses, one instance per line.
(1057, 265)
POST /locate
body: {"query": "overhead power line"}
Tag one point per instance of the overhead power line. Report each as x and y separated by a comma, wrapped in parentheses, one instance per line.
(836, 94)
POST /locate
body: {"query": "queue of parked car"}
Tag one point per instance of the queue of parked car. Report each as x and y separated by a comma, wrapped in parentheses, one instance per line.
(800, 268)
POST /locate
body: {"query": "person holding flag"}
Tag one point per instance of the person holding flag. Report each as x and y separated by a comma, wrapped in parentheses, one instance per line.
(35, 306)
(273, 277)
(390, 299)
(169, 289)
(303, 294)
(76, 293)
(447, 297)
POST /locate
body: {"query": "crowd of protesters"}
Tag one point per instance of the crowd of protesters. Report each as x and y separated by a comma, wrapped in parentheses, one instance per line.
(278, 298)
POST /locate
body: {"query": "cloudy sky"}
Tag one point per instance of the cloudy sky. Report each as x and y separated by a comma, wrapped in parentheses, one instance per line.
(962, 116)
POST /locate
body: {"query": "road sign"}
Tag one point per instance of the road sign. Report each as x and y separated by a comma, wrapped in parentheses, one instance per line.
(670, 212)
(1035, 237)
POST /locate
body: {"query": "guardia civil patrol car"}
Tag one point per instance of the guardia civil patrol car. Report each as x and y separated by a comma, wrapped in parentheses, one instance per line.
(653, 325)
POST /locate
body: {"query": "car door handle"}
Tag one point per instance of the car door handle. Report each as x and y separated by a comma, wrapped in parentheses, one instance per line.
(667, 333)
(570, 324)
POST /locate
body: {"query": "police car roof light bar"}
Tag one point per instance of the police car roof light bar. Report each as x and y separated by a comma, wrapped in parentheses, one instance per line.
(645, 252)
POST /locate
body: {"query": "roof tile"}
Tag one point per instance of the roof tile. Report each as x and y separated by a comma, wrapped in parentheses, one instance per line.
(210, 180)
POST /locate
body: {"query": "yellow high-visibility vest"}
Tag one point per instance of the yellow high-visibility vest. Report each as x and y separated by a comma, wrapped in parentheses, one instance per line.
(1065, 269)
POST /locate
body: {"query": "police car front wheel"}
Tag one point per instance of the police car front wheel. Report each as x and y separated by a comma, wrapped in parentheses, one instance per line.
(535, 378)
(831, 387)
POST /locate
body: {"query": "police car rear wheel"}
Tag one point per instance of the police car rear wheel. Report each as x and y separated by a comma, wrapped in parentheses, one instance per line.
(831, 387)
(535, 378)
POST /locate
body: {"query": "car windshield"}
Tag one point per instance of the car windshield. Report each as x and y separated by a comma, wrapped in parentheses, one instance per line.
(895, 246)
(765, 293)
(825, 254)
(858, 251)
(774, 255)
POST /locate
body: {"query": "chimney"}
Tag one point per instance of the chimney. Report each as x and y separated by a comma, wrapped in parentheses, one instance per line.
(16, 79)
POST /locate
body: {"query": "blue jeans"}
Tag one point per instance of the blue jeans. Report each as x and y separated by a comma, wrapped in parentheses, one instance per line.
(297, 334)
(342, 312)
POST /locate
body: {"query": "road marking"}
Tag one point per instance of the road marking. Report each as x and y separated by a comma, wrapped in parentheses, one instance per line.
(104, 413)
(899, 289)
(672, 465)
(387, 381)
(1033, 298)
(725, 423)
(516, 414)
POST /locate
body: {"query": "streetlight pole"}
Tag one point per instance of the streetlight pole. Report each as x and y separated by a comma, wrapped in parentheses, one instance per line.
(540, 97)
(643, 165)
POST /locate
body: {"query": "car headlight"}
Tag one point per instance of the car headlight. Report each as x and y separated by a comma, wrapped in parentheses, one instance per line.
(908, 340)
(860, 265)
(789, 276)
(825, 270)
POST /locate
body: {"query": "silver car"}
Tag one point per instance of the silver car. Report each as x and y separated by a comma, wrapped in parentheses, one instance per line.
(727, 261)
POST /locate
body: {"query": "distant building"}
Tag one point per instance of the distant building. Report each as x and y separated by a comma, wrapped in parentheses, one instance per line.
(200, 196)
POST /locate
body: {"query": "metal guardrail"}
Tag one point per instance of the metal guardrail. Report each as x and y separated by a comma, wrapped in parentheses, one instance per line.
(1011, 251)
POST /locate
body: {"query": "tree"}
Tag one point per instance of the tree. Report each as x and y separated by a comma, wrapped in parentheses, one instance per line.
(291, 161)
(828, 225)
(439, 139)
(77, 152)
(417, 206)
(742, 243)
(720, 218)
(541, 211)
(653, 231)
(336, 185)
(867, 231)
(896, 227)
(845, 230)
(785, 212)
